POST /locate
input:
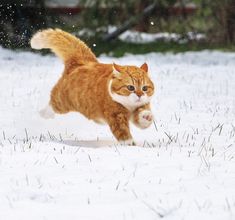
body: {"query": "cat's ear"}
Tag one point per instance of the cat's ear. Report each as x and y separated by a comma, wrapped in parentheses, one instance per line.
(116, 69)
(144, 67)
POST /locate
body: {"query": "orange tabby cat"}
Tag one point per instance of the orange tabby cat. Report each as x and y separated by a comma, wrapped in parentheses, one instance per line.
(107, 93)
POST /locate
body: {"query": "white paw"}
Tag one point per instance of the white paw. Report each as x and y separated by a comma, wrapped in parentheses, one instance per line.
(145, 118)
(47, 112)
(129, 142)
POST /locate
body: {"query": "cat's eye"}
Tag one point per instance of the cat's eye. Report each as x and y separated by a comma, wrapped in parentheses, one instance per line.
(130, 88)
(145, 88)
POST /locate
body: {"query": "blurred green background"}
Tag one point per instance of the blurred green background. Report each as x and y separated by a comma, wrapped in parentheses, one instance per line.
(125, 26)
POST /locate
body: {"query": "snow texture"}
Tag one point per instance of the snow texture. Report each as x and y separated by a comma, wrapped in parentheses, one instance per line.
(71, 168)
(136, 37)
(132, 36)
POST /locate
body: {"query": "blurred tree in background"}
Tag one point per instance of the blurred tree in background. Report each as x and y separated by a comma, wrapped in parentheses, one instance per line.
(223, 13)
(216, 18)
(101, 14)
(19, 19)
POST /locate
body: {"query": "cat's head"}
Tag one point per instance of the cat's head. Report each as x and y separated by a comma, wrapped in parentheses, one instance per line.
(131, 86)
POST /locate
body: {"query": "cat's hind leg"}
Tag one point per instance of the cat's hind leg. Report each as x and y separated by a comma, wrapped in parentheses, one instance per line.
(47, 112)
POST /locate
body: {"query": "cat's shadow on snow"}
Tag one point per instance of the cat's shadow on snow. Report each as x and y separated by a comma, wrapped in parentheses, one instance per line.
(89, 143)
(99, 143)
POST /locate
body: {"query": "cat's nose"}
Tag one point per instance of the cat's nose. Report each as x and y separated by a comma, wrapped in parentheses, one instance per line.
(139, 93)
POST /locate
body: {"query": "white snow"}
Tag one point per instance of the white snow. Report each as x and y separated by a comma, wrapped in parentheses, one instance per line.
(71, 168)
(132, 36)
(62, 3)
(142, 38)
(136, 37)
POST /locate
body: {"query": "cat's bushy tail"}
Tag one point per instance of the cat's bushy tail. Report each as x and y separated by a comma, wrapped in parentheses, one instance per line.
(70, 49)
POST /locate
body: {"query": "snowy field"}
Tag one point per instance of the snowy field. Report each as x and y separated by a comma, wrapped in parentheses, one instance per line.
(71, 168)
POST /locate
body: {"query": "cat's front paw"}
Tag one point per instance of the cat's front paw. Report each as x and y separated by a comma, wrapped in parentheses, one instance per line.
(145, 118)
(129, 142)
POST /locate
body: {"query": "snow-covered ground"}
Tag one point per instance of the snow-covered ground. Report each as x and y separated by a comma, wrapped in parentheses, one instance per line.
(71, 168)
(132, 36)
(136, 37)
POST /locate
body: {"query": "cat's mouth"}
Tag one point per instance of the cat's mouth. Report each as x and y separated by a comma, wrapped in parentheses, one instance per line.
(138, 100)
